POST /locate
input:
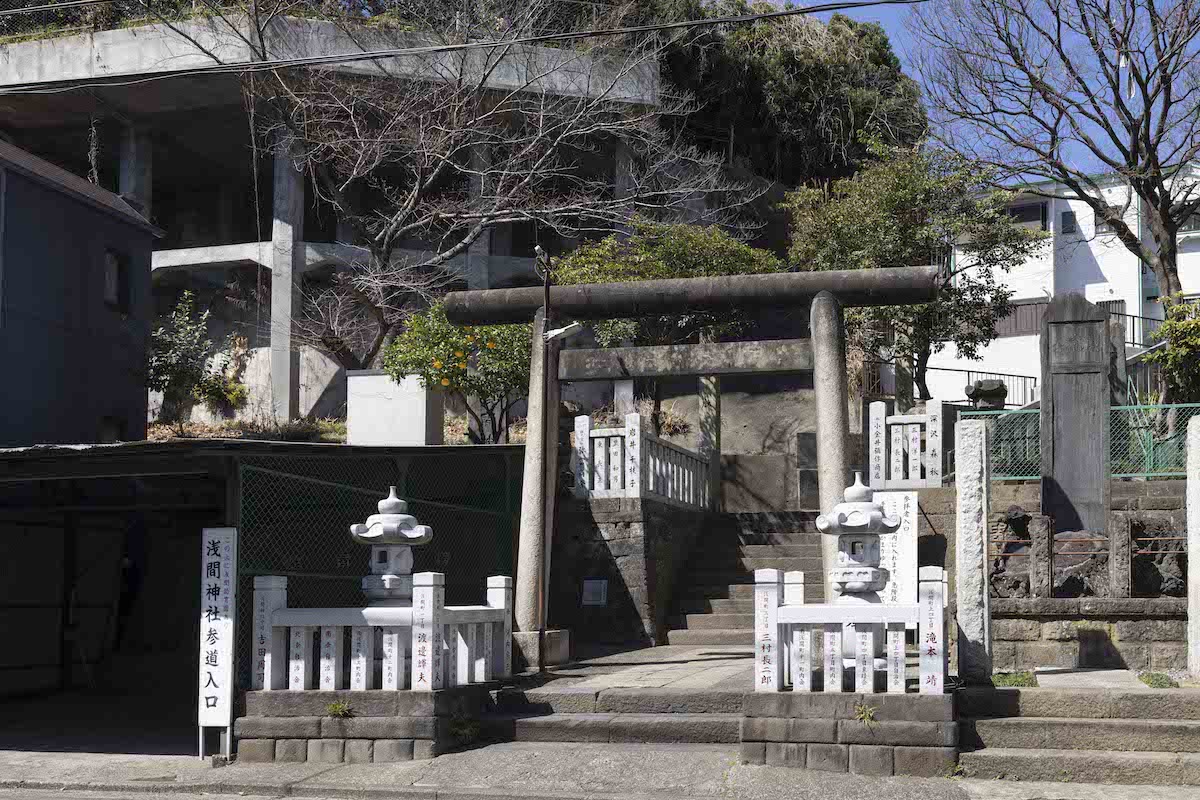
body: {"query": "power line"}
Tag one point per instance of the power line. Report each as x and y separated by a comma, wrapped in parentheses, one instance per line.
(372, 55)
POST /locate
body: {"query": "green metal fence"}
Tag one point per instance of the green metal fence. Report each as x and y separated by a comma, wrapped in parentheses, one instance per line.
(1144, 441)
(1015, 440)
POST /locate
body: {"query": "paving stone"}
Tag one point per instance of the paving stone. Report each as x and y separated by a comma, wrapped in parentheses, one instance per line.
(387, 751)
(278, 727)
(255, 751)
(869, 759)
(691, 728)
(786, 754)
(553, 701)
(358, 751)
(326, 751)
(915, 734)
(754, 752)
(924, 762)
(828, 757)
(291, 750)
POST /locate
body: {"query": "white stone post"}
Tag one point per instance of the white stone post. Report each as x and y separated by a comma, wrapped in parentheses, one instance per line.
(1193, 544)
(429, 594)
(793, 595)
(877, 419)
(394, 645)
(833, 657)
(864, 659)
(362, 657)
(933, 443)
(331, 658)
(896, 447)
(971, 479)
(768, 591)
(931, 630)
(300, 660)
(270, 643)
(499, 595)
(583, 455)
(896, 658)
(801, 658)
(634, 476)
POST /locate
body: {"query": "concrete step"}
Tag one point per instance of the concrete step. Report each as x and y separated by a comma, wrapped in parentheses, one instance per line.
(781, 550)
(710, 637)
(695, 595)
(707, 622)
(1080, 703)
(626, 728)
(810, 564)
(1061, 733)
(1083, 766)
(784, 538)
(621, 700)
(731, 606)
(773, 521)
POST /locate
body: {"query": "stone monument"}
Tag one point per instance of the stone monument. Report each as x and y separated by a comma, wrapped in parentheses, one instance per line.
(857, 579)
(392, 534)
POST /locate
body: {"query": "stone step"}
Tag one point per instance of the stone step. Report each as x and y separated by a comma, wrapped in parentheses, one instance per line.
(1083, 766)
(780, 550)
(810, 564)
(718, 606)
(773, 521)
(749, 539)
(620, 700)
(710, 637)
(698, 593)
(707, 622)
(1062, 733)
(1080, 703)
(624, 728)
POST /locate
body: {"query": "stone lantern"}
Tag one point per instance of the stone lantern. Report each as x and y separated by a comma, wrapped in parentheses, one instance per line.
(391, 534)
(857, 579)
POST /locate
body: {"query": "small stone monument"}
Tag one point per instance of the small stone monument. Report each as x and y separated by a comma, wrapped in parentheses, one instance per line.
(391, 534)
(987, 395)
(857, 579)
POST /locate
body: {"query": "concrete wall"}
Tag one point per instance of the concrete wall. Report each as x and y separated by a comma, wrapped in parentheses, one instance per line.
(71, 359)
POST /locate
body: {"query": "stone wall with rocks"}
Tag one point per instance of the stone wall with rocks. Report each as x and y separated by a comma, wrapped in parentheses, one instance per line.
(382, 727)
(639, 546)
(865, 734)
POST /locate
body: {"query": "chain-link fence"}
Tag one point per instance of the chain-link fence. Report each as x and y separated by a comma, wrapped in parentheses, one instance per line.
(26, 20)
(1149, 441)
(296, 511)
(1015, 441)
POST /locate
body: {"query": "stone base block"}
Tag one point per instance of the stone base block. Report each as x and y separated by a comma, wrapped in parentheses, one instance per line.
(256, 751)
(532, 650)
(754, 752)
(359, 751)
(388, 751)
(326, 751)
(787, 754)
(425, 749)
(829, 757)
(291, 750)
(871, 759)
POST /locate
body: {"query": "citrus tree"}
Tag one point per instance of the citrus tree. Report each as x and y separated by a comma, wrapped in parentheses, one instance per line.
(486, 367)
(1179, 357)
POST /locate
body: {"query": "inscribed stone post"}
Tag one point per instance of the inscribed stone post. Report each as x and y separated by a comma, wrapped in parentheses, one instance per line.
(768, 591)
(971, 518)
(898, 551)
(1193, 543)
(1076, 391)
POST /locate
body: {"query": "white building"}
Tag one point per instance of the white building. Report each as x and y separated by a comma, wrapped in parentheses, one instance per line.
(1079, 256)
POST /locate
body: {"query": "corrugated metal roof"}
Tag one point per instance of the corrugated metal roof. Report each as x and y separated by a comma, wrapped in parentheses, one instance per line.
(102, 199)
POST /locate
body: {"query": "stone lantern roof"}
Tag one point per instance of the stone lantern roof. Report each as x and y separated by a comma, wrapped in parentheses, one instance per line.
(391, 526)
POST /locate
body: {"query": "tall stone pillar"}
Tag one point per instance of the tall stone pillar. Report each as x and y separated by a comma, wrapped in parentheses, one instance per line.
(709, 391)
(833, 413)
(535, 645)
(972, 480)
(1193, 543)
(287, 263)
(136, 173)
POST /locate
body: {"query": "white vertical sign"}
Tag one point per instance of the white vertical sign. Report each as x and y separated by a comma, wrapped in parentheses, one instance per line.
(218, 587)
(931, 632)
(878, 455)
(898, 551)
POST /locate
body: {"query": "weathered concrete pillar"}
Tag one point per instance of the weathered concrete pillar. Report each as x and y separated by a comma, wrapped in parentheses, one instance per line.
(135, 178)
(710, 435)
(833, 414)
(537, 511)
(1193, 543)
(972, 478)
(287, 254)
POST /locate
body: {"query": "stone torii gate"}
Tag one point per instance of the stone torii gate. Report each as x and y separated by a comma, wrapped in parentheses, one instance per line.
(824, 354)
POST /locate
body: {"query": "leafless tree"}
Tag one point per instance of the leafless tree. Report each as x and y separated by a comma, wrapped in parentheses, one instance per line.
(1072, 91)
(422, 153)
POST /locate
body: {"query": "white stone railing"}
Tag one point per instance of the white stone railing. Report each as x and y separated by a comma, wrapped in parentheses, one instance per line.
(629, 462)
(905, 449)
(784, 627)
(422, 647)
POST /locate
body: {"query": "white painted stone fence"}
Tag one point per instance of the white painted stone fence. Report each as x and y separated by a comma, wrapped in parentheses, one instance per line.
(629, 462)
(906, 449)
(784, 627)
(443, 646)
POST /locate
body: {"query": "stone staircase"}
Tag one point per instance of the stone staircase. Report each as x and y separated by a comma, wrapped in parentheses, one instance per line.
(1121, 736)
(622, 715)
(714, 602)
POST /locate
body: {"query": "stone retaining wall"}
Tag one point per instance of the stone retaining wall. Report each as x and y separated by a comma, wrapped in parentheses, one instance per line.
(639, 546)
(909, 734)
(289, 726)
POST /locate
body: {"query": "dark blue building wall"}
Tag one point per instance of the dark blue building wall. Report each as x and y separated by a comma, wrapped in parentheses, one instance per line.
(70, 360)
